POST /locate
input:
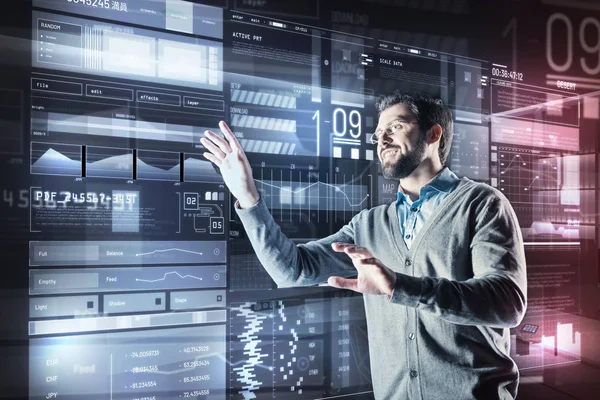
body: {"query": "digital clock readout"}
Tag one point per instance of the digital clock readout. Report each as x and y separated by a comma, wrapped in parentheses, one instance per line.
(506, 74)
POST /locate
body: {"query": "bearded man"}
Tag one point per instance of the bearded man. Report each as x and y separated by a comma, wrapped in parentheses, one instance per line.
(442, 269)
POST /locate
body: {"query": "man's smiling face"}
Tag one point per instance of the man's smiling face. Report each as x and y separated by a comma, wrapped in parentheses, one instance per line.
(401, 144)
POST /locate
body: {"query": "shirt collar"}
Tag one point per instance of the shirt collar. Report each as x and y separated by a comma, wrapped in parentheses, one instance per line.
(444, 182)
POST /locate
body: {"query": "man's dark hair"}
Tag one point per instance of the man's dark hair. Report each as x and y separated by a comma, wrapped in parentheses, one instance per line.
(427, 110)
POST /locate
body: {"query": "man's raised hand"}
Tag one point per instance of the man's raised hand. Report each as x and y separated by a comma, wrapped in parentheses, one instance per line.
(227, 154)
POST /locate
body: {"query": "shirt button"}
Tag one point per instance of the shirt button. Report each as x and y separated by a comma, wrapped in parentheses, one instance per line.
(407, 237)
(408, 263)
(411, 336)
(414, 209)
(413, 374)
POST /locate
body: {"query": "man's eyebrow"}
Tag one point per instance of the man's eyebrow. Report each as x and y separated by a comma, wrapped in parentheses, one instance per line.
(403, 118)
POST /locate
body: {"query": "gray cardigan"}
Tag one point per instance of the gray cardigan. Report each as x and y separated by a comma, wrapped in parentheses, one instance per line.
(444, 334)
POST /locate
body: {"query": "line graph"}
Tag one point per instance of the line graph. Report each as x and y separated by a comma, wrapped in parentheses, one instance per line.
(528, 177)
(298, 193)
(313, 191)
(165, 277)
(166, 251)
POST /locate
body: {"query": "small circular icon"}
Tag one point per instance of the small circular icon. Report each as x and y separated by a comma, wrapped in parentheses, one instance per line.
(302, 363)
(326, 62)
(217, 252)
(217, 277)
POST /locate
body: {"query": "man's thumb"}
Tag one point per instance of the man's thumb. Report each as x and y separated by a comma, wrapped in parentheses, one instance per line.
(342, 283)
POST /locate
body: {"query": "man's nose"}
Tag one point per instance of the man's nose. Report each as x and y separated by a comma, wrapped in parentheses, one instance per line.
(384, 139)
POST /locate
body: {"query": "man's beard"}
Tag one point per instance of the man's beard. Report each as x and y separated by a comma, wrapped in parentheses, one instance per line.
(406, 164)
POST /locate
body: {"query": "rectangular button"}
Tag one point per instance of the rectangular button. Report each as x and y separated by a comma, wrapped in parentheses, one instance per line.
(50, 26)
(56, 86)
(63, 282)
(107, 92)
(158, 98)
(190, 300)
(134, 302)
(44, 307)
(204, 104)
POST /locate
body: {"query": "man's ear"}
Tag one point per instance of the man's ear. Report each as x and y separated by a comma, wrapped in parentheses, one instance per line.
(434, 134)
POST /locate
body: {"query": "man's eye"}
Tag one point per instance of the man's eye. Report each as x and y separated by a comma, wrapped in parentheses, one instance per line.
(395, 127)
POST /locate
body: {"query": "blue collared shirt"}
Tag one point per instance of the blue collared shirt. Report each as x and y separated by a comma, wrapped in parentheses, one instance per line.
(412, 215)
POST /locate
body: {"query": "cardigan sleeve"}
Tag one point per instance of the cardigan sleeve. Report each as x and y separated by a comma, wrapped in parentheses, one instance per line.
(289, 264)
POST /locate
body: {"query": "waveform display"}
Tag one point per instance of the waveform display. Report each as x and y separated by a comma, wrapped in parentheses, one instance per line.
(158, 165)
(275, 349)
(197, 169)
(55, 159)
(106, 162)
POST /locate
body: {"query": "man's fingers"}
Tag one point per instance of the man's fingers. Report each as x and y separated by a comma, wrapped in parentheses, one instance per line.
(210, 146)
(219, 141)
(339, 246)
(368, 261)
(358, 252)
(229, 135)
(352, 250)
(211, 157)
(343, 283)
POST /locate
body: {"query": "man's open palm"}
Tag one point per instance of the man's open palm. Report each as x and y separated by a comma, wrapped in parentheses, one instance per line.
(373, 277)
